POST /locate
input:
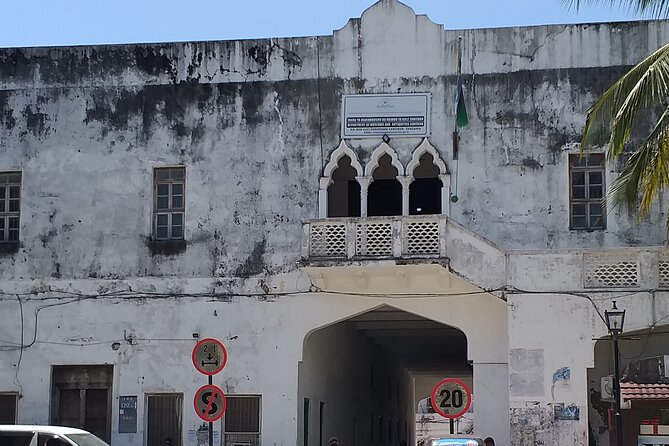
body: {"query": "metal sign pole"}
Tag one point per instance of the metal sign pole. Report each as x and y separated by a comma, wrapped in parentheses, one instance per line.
(211, 423)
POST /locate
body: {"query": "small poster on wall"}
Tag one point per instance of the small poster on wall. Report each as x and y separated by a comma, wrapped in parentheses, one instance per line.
(127, 414)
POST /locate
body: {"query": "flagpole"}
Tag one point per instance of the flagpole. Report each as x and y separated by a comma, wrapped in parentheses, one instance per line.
(459, 73)
(456, 135)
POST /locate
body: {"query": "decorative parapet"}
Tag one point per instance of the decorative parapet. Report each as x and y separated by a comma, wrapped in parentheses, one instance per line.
(375, 237)
(644, 268)
(615, 270)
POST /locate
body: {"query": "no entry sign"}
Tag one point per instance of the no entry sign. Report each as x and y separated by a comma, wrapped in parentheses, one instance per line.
(209, 356)
(209, 403)
(451, 398)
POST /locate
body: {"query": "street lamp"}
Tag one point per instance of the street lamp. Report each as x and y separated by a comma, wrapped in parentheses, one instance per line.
(615, 320)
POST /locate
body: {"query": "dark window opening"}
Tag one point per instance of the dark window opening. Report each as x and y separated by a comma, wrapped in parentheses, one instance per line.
(8, 408)
(16, 438)
(586, 189)
(164, 419)
(344, 192)
(425, 190)
(241, 424)
(384, 197)
(425, 196)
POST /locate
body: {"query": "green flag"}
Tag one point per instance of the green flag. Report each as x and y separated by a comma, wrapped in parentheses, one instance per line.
(461, 118)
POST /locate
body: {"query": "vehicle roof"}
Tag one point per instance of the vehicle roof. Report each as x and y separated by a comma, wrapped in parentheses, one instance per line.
(57, 430)
(437, 437)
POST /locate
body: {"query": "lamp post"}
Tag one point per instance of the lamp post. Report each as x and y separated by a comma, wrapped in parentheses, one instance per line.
(615, 319)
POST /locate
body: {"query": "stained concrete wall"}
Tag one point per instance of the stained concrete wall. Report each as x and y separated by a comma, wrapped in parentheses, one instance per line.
(254, 122)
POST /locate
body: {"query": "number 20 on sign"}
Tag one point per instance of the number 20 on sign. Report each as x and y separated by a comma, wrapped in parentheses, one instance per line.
(451, 398)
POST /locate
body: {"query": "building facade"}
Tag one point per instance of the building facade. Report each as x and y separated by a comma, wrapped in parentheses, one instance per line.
(154, 195)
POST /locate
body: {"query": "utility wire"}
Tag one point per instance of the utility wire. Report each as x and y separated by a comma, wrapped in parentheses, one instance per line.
(77, 297)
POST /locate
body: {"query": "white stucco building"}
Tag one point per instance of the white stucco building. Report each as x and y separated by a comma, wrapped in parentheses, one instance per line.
(153, 195)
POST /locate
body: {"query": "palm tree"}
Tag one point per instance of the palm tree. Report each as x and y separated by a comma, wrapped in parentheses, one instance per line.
(640, 91)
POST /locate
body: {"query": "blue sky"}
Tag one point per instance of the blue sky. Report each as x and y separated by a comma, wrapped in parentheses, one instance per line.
(77, 22)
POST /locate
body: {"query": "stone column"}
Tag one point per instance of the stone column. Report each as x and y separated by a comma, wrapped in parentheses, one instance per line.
(491, 394)
(445, 193)
(323, 197)
(364, 186)
(405, 182)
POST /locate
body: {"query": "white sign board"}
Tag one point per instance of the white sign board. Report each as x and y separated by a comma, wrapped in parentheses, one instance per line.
(375, 115)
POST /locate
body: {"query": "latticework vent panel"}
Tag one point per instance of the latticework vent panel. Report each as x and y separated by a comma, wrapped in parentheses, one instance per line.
(664, 270)
(611, 270)
(422, 237)
(328, 240)
(374, 239)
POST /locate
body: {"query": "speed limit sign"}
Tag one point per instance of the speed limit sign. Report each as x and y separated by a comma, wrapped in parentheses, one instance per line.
(451, 398)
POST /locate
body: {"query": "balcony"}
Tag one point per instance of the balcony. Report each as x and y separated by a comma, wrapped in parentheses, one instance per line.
(420, 237)
(436, 237)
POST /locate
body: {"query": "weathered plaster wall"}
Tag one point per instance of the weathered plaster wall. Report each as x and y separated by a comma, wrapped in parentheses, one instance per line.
(253, 121)
(547, 369)
(264, 338)
(554, 362)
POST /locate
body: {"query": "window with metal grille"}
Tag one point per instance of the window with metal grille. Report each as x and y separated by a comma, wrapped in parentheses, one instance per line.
(168, 202)
(164, 419)
(241, 423)
(586, 181)
(10, 206)
(8, 408)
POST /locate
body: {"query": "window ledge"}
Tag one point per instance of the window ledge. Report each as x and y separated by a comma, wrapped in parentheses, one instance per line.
(9, 247)
(167, 247)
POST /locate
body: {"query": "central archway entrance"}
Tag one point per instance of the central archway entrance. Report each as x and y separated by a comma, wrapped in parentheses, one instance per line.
(364, 379)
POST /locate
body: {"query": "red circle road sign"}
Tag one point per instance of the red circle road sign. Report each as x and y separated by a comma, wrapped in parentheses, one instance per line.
(209, 403)
(209, 356)
(451, 398)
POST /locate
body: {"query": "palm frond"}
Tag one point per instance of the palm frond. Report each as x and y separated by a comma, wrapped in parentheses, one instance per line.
(645, 85)
(646, 171)
(647, 8)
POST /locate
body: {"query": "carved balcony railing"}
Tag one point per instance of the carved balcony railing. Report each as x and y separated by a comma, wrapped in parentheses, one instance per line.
(375, 237)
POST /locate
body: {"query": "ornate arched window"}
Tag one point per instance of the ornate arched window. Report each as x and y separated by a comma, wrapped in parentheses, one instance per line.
(384, 196)
(344, 190)
(339, 194)
(428, 175)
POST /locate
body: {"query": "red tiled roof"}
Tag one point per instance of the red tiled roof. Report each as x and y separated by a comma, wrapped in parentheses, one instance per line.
(633, 391)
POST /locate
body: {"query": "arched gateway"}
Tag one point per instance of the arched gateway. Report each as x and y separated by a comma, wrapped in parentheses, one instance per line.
(388, 333)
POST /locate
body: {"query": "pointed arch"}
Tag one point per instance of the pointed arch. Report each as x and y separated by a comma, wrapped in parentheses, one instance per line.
(339, 152)
(383, 149)
(426, 174)
(423, 148)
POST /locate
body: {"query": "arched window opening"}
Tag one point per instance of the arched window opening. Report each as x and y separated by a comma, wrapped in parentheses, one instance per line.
(344, 191)
(384, 196)
(425, 190)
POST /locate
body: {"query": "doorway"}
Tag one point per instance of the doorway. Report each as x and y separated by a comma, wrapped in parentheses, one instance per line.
(81, 397)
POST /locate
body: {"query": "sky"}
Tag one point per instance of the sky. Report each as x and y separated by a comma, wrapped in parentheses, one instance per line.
(85, 22)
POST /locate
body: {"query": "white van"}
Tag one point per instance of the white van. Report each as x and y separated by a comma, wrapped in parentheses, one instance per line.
(26, 435)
